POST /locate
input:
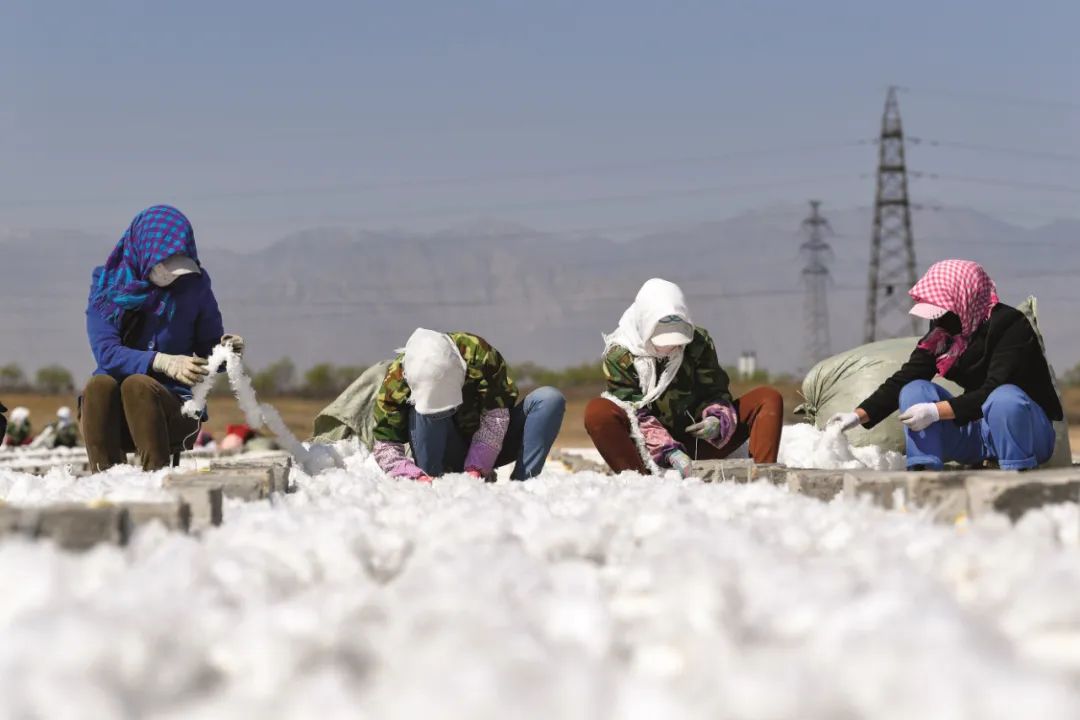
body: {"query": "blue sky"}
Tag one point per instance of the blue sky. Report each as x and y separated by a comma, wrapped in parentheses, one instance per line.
(262, 118)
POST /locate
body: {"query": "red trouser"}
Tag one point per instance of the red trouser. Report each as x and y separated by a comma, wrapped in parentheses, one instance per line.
(761, 417)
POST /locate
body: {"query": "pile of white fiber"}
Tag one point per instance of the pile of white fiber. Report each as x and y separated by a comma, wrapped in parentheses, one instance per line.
(804, 446)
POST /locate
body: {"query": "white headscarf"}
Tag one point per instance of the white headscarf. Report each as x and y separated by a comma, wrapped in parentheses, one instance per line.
(655, 300)
(435, 371)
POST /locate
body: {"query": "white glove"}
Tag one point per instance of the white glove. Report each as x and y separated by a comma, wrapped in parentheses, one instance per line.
(707, 429)
(188, 370)
(235, 341)
(920, 416)
(681, 462)
(845, 421)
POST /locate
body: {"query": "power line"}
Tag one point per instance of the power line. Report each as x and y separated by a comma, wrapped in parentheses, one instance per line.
(332, 307)
(978, 147)
(483, 179)
(696, 191)
(939, 207)
(996, 98)
(998, 182)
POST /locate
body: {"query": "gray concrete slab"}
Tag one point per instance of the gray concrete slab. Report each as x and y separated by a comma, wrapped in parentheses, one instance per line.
(1014, 494)
(174, 514)
(577, 463)
(249, 486)
(942, 494)
(821, 485)
(73, 526)
(205, 504)
(739, 470)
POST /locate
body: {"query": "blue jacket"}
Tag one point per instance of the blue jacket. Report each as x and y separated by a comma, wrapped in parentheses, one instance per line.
(195, 328)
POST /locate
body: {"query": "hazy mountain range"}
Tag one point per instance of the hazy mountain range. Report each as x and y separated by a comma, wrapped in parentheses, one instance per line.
(351, 296)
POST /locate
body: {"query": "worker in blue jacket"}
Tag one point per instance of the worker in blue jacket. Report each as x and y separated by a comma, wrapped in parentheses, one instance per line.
(152, 320)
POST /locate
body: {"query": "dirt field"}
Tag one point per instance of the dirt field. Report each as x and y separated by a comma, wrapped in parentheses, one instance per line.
(299, 413)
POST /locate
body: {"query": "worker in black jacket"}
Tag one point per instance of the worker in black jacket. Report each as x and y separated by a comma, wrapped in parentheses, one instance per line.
(990, 350)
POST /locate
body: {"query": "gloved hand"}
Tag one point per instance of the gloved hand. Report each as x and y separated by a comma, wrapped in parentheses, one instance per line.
(707, 429)
(188, 370)
(475, 473)
(681, 462)
(424, 479)
(920, 416)
(846, 421)
(236, 341)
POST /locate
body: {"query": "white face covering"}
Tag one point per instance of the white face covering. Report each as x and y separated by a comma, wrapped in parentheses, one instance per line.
(659, 312)
(165, 273)
(160, 276)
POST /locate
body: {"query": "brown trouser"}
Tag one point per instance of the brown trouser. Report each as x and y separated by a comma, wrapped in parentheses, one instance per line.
(138, 414)
(761, 417)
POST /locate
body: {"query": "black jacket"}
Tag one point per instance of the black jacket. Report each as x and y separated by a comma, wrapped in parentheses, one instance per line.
(1003, 351)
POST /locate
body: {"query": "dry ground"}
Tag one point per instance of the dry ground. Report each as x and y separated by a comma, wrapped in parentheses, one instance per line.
(299, 413)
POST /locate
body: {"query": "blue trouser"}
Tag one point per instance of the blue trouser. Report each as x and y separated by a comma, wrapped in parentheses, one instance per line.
(439, 447)
(1014, 430)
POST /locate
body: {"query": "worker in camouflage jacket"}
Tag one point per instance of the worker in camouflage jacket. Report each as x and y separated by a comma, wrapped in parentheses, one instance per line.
(449, 397)
(64, 432)
(19, 429)
(666, 393)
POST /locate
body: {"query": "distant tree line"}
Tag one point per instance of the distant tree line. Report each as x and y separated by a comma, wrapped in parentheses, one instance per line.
(49, 380)
(324, 380)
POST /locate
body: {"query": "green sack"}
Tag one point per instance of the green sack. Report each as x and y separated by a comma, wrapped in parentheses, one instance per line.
(351, 414)
(839, 383)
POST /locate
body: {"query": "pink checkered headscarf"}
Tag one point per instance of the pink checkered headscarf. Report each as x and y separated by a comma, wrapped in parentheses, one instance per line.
(964, 288)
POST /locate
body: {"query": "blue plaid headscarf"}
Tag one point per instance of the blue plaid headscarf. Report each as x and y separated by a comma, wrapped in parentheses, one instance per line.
(155, 235)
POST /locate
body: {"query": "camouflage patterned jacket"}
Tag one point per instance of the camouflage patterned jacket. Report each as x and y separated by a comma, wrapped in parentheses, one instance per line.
(67, 434)
(487, 387)
(700, 382)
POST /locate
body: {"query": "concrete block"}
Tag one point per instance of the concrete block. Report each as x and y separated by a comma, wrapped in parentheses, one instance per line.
(279, 469)
(1015, 493)
(942, 494)
(174, 514)
(819, 484)
(577, 463)
(739, 471)
(241, 485)
(78, 527)
(12, 520)
(204, 504)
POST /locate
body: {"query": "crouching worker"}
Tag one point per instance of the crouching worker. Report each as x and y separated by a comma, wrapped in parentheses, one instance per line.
(19, 430)
(152, 319)
(449, 397)
(62, 433)
(990, 350)
(668, 400)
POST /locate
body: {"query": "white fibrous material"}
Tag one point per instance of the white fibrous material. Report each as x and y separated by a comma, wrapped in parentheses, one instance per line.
(194, 407)
(804, 446)
(313, 459)
(123, 483)
(565, 596)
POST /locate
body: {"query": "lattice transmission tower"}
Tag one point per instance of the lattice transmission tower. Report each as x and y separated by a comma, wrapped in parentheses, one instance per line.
(892, 249)
(816, 280)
